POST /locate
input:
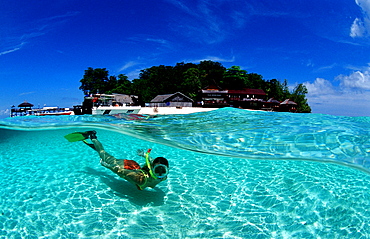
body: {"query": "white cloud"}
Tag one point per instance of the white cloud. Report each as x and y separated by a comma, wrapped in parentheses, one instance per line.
(357, 29)
(182, 6)
(9, 51)
(319, 87)
(134, 74)
(15, 41)
(4, 113)
(348, 104)
(15, 48)
(202, 22)
(350, 98)
(27, 93)
(364, 4)
(361, 27)
(212, 58)
(128, 65)
(329, 67)
(357, 80)
(160, 41)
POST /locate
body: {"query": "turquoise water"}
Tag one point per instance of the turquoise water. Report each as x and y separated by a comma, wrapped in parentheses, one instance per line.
(233, 174)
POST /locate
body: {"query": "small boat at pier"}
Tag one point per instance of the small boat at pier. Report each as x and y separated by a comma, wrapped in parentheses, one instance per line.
(105, 104)
(25, 109)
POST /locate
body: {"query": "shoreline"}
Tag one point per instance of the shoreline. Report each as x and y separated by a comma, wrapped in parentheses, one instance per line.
(140, 110)
(173, 110)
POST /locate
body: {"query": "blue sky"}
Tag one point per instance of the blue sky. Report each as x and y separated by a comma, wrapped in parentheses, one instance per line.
(46, 46)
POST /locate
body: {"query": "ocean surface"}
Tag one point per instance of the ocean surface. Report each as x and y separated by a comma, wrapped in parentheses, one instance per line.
(233, 174)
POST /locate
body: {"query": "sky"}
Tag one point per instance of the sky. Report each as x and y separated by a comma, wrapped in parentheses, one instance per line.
(45, 46)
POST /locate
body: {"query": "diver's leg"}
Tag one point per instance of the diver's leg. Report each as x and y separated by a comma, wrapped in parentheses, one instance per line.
(91, 135)
(106, 158)
(98, 147)
(135, 177)
(90, 145)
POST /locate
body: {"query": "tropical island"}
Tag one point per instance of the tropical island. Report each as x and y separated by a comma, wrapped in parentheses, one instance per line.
(198, 88)
(207, 84)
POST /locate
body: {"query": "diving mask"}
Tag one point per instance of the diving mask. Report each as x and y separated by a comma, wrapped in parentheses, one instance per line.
(160, 171)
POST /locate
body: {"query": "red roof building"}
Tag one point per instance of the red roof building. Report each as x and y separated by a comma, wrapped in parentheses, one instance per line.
(214, 96)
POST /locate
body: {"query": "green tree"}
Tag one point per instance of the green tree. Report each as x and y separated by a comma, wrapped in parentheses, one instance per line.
(298, 95)
(180, 69)
(154, 81)
(122, 85)
(189, 78)
(94, 81)
(275, 89)
(285, 89)
(191, 83)
(110, 85)
(234, 78)
(211, 72)
(255, 81)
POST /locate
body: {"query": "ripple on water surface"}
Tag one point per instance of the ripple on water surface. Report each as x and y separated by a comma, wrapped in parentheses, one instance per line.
(51, 188)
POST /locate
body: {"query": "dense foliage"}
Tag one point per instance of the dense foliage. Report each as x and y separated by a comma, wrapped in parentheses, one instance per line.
(189, 78)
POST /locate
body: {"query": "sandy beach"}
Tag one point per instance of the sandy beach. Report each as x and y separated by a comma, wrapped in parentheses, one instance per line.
(173, 110)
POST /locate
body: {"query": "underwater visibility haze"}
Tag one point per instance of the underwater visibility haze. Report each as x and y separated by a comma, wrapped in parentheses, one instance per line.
(233, 174)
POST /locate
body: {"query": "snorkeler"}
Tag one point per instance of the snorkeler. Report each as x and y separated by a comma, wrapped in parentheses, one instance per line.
(149, 175)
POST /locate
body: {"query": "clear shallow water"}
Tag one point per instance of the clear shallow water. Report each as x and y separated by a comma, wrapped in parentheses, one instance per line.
(51, 188)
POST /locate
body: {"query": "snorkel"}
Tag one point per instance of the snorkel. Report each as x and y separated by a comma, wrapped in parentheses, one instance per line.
(151, 170)
(147, 160)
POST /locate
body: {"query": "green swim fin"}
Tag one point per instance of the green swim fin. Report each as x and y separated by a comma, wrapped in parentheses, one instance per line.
(76, 136)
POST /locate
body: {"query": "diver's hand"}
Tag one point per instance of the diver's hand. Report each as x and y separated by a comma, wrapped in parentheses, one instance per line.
(140, 152)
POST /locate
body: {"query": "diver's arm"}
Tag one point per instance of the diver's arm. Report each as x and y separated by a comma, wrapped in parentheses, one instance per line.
(141, 152)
